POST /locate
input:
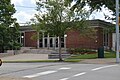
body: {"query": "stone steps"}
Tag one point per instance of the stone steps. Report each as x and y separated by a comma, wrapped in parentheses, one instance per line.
(56, 55)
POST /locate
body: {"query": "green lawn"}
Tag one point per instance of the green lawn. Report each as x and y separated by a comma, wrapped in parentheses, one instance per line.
(93, 56)
(33, 61)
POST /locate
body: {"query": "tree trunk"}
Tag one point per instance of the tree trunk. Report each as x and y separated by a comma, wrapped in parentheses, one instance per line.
(60, 52)
(2, 49)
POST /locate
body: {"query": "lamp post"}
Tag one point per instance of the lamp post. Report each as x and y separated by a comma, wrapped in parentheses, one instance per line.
(117, 31)
(22, 40)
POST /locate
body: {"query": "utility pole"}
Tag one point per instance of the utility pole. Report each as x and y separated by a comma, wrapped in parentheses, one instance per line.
(117, 31)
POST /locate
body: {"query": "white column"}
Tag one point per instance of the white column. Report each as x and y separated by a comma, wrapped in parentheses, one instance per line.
(48, 41)
(38, 40)
(43, 40)
(58, 42)
(54, 42)
(65, 41)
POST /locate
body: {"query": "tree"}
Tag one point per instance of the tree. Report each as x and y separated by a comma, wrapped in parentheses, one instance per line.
(14, 36)
(56, 18)
(38, 27)
(94, 5)
(8, 34)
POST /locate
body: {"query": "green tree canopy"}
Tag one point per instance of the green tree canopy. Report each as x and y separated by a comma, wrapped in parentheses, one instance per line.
(94, 5)
(8, 27)
(56, 17)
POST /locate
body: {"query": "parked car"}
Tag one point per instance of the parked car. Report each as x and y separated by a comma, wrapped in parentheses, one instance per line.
(0, 62)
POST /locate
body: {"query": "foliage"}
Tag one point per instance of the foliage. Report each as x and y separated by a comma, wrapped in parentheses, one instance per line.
(92, 56)
(85, 56)
(57, 15)
(81, 51)
(56, 18)
(94, 5)
(9, 33)
(6, 11)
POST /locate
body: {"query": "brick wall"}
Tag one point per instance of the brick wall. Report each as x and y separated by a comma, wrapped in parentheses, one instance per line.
(99, 34)
(28, 41)
(75, 40)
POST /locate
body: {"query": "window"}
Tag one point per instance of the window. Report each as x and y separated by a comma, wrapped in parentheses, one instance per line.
(106, 39)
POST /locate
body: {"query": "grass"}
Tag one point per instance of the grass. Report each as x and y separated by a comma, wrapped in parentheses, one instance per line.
(93, 56)
(29, 61)
(33, 61)
(110, 54)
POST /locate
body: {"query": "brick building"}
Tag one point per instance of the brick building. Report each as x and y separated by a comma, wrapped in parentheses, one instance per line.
(71, 39)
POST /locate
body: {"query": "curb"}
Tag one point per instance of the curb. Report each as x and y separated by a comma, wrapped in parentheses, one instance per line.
(13, 78)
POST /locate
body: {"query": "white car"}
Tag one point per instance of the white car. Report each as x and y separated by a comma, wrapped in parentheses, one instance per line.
(0, 62)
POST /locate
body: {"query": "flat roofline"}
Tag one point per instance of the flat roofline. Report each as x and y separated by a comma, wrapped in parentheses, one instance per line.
(94, 23)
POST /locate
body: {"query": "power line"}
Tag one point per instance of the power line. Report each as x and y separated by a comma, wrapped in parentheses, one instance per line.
(24, 6)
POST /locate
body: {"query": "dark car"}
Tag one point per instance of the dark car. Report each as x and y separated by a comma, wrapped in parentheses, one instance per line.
(0, 62)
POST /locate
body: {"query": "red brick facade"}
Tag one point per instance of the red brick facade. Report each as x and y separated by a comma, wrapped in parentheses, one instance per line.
(74, 40)
(28, 41)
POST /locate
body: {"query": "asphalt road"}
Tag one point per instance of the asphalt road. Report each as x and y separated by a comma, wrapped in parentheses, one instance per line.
(61, 71)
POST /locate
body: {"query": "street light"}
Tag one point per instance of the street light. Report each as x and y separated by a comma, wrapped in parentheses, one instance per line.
(117, 31)
(22, 40)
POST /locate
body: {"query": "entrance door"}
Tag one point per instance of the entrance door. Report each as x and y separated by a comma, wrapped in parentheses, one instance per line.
(48, 43)
(51, 42)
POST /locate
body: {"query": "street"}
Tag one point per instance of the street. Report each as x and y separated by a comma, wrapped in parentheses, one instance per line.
(61, 71)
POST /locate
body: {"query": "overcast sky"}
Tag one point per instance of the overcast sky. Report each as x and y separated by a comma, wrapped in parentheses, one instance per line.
(26, 10)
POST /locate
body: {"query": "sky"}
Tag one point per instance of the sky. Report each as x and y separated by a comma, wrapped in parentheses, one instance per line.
(25, 10)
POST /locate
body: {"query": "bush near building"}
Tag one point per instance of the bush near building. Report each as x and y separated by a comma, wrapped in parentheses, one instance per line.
(81, 51)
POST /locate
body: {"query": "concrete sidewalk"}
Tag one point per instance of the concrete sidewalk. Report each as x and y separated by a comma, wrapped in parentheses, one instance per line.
(25, 57)
(99, 61)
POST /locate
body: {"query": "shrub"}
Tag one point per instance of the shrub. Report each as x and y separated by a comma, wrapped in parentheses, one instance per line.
(80, 51)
